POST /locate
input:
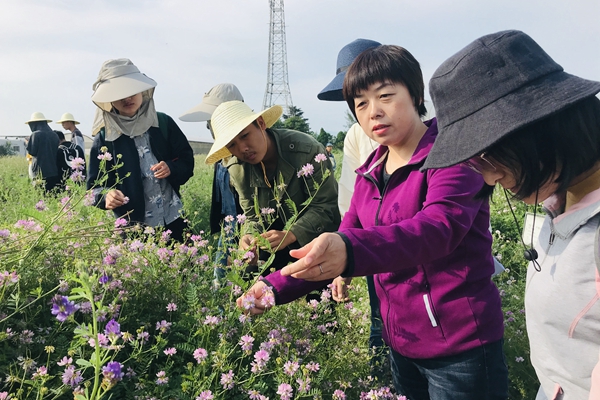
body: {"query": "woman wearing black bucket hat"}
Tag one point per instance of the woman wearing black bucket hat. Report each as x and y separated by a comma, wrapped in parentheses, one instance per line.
(507, 110)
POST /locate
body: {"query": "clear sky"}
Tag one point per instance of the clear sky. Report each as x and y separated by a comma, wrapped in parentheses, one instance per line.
(51, 50)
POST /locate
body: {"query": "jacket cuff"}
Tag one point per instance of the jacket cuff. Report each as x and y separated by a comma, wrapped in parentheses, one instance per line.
(349, 271)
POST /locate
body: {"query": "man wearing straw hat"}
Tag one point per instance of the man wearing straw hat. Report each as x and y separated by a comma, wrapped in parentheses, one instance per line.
(271, 167)
(43, 147)
(224, 201)
(68, 122)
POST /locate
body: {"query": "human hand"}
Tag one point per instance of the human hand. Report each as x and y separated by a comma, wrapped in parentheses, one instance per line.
(161, 170)
(247, 243)
(339, 289)
(114, 198)
(279, 239)
(257, 299)
(322, 259)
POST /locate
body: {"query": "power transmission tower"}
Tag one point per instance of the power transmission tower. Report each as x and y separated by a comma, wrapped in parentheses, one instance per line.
(278, 88)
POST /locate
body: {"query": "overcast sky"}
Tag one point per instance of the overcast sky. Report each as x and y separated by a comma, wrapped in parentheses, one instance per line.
(51, 50)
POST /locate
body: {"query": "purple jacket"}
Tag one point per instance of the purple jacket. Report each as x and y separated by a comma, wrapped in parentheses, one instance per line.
(427, 243)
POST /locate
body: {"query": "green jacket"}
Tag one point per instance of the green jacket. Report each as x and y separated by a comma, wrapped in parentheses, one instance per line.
(295, 149)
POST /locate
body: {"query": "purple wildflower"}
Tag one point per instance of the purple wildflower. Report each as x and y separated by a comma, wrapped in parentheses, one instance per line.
(41, 206)
(171, 307)
(320, 157)
(113, 328)
(62, 307)
(162, 378)
(112, 372)
(71, 377)
(106, 156)
(77, 177)
(246, 342)
(171, 351)
(205, 395)
(291, 367)
(163, 326)
(78, 164)
(307, 170)
(200, 355)
(120, 222)
(241, 218)
(285, 391)
(227, 380)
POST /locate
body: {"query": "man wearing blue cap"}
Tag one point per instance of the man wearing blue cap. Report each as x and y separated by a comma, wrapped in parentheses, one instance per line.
(329, 150)
(357, 147)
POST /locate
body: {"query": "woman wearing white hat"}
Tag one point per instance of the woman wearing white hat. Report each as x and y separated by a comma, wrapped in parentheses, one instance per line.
(261, 158)
(43, 147)
(156, 156)
(68, 122)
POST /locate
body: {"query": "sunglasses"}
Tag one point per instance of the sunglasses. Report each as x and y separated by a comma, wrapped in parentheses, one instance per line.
(480, 164)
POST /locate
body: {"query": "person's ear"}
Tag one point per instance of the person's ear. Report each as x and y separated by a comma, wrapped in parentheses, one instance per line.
(261, 123)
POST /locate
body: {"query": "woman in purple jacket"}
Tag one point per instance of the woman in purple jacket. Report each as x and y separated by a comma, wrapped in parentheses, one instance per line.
(424, 237)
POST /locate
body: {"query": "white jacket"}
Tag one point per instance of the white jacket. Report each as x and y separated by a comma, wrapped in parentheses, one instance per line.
(357, 147)
(561, 301)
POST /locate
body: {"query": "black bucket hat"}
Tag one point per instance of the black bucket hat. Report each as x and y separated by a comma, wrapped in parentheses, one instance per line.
(497, 84)
(333, 91)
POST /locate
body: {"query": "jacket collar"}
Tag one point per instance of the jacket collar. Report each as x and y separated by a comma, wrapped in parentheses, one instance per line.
(378, 156)
(564, 224)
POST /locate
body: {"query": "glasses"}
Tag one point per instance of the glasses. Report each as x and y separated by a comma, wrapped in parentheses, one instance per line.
(480, 164)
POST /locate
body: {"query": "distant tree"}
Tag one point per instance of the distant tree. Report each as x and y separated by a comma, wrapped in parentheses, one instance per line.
(339, 140)
(295, 120)
(324, 137)
(278, 124)
(7, 150)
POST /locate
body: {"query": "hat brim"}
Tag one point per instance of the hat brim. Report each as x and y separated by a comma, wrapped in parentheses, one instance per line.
(333, 91)
(475, 133)
(38, 120)
(218, 151)
(122, 87)
(67, 120)
(199, 113)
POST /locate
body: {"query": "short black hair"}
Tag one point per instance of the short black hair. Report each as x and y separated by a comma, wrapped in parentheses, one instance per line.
(61, 136)
(386, 63)
(567, 143)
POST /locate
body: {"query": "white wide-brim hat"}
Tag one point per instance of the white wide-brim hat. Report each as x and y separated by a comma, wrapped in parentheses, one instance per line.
(212, 99)
(38, 116)
(66, 117)
(119, 79)
(229, 119)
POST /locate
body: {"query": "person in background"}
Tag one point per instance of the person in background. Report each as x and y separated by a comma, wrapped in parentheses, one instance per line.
(424, 237)
(267, 169)
(357, 148)
(507, 110)
(68, 122)
(329, 154)
(224, 199)
(69, 152)
(43, 147)
(153, 150)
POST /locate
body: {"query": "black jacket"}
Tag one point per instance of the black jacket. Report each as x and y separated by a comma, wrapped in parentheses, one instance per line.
(172, 148)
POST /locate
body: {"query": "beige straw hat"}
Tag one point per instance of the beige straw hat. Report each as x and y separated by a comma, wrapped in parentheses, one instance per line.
(229, 119)
(38, 116)
(66, 117)
(216, 95)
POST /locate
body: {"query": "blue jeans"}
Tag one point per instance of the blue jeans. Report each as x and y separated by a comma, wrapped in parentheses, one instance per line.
(375, 339)
(477, 374)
